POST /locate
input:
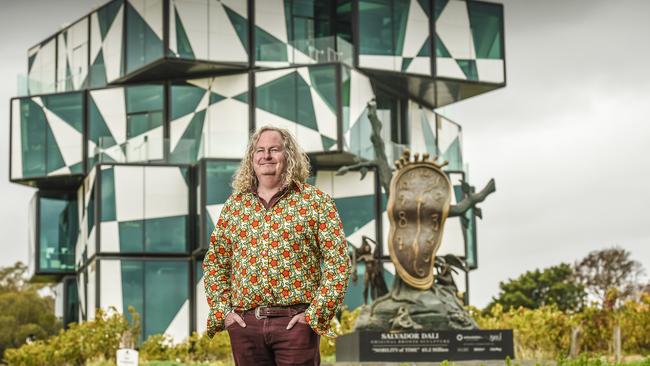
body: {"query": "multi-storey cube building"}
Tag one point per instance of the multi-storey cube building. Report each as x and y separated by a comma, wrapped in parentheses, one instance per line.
(138, 114)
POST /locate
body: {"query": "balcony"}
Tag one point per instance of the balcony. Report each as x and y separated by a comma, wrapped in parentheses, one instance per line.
(304, 52)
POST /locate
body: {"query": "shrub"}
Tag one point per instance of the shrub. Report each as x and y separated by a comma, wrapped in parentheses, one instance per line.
(25, 314)
(542, 333)
(344, 326)
(197, 348)
(94, 340)
(545, 333)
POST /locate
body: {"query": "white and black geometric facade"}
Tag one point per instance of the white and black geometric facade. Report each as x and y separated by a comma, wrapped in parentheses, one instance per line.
(138, 115)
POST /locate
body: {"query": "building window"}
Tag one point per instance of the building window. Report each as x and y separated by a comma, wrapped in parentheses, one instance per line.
(58, 229)
(382, 26)
(146, 287)
(143, 45)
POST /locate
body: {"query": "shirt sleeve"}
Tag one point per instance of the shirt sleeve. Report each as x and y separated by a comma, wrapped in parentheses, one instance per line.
(216, 274)
(335, 269)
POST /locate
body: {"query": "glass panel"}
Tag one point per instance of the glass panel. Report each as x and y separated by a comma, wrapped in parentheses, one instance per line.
(163, 301)
(72, 66)
(344, 20)
(345, 97)
(486, 20)
(142, 43)
(33, 138)
(305, 113)
(449, 143)
(356, 212)
(131, 236)
(166, 234)
(106, 17)
(184, 99)
(140, 123)
(269, 48)
(58, 229)
(42, 71)
(219, 175)
(133, 289)
(400, 18)
(144, 98)
(71, 311)
(375, 27)
(324, 81)
(108, 195)
(68, 106)
(279, 96)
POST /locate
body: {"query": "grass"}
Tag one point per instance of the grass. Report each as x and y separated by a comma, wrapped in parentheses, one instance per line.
(583, 360)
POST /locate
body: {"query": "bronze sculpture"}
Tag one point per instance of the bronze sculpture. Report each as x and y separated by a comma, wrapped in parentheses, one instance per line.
(419, 203)
(373, 279)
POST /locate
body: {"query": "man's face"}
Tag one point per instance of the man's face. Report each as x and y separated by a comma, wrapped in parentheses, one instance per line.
(268, 157)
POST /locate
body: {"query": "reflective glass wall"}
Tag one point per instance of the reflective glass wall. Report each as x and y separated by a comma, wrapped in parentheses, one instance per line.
(469, 41)
(145, 285)
(125, 124)
(303, 100)
(302, 32)
(144, 209)
(72, 57)
(106, 44)
(144, 33)
(215, 187)
(209, 118)
(209, 30)
(41, 68)
(395, 35)
(54, 226)
(47, 135)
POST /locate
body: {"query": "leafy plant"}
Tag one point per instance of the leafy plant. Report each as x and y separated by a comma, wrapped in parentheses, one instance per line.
(93, 340)
(24, 314)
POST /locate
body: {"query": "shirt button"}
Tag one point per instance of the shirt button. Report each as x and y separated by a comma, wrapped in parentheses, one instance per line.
(264, 253)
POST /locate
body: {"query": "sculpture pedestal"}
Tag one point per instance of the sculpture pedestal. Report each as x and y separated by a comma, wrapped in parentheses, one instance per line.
(408, 308)
(424, 346)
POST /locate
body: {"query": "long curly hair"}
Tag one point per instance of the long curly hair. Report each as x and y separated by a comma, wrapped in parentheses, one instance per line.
(297, 162)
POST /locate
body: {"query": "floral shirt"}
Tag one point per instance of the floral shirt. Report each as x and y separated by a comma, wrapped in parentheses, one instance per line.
(293, 252)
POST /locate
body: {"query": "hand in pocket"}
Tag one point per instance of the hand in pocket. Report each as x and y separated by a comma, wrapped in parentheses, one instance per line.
(233, 318)
(298, 318)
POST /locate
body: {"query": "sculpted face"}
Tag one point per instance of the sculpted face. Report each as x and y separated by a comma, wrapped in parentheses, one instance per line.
(268, 157)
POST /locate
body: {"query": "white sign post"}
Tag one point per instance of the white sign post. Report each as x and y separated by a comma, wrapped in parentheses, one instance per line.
(127, 357)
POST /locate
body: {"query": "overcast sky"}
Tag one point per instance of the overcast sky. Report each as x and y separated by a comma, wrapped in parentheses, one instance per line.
(567, 140)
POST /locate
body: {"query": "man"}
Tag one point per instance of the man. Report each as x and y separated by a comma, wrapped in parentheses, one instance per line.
(277, 267)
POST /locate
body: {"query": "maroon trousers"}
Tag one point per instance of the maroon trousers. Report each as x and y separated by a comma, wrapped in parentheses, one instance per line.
(268, 342)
